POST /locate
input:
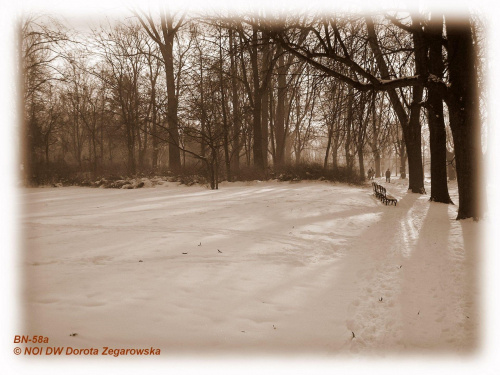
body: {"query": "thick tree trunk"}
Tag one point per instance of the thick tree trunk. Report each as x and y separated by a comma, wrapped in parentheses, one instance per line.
(437, 131)
(174, 154)
(377, 164)
(463, 106)
(413, 142)
(413, 132)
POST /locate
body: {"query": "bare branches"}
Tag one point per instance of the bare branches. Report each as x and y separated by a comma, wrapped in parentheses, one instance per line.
(374, 82)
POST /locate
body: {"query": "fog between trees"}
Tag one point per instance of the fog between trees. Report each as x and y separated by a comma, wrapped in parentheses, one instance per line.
(251, 96)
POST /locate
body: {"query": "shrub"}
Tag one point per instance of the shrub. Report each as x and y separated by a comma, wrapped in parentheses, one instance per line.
(314, 171)
(115, 177)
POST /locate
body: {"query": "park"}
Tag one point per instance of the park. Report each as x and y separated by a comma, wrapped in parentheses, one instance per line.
(254, 184)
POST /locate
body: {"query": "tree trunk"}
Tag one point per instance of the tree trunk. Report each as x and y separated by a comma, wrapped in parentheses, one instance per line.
(224, 114)
(328, 145)
(154, 130)
(47, 146)
(203, 115)
(437, 130)
(335, 151)
(94, 146)
(363, 124)
(272, 138)
(450, 163)
(265, 126)
(347, 144)
(154, 117)
(131, 160)
(402, 160)
(266, 57)
(174, 154)
(413, 142)
(377, 164)
(411, 127)
(361, 165)
(258, 157)
(236, 111)
(375, 142)
(463, 106)
(211, 172)
(279, 122)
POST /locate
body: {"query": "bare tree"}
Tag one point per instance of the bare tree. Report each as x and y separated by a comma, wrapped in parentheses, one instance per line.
(164, 35)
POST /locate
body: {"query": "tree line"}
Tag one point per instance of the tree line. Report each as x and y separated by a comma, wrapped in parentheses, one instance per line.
(222, 95)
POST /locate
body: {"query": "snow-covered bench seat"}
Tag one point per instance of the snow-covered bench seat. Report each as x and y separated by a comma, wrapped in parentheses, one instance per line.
(381, 193)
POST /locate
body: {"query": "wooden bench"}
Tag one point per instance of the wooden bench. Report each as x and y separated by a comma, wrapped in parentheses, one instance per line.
(375, 189)
(381, 193)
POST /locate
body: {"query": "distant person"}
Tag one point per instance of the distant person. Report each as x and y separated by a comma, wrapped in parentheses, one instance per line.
(388, 175)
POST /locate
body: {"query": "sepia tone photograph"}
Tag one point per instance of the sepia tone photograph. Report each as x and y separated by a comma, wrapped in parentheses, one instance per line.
(303, 185)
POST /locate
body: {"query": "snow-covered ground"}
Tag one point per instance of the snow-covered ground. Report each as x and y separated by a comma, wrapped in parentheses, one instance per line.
(264, 268)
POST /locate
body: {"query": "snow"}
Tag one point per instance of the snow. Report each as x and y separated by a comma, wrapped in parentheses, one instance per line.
(261, 268)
